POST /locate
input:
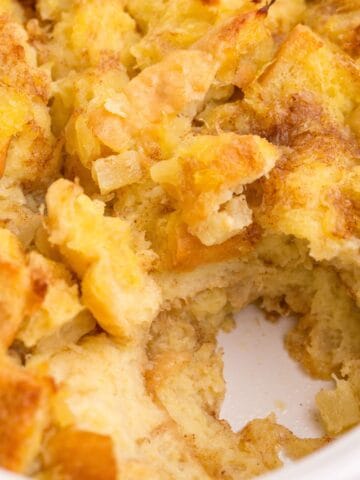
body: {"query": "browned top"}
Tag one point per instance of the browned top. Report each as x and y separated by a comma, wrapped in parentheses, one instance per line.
(15, 68)
(77, 454)
(22, 415)
(180, 250)
(15, 287)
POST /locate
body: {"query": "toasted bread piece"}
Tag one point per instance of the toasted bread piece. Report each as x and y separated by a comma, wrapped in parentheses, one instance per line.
(73, 454)
(23, 415)
(178, 24)
(29, 154)
(73, 92)
(15, 287)
(55, 300)
(308, 66)
(242, 45)
(87, 34)
(206, 179)
(339, 20)
(12, 9)
(321, 209)
(37, 296)
(145, 112)
(115, 287)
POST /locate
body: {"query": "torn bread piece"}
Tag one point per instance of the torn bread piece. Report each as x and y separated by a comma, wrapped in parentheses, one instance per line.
(56, 301)
(29, 153)
(309, 66)
(339, 20)
(38, 297)
(206, 179)
(24, 414)
(72, 454)
(15, 287)
(149, 114)
(87, 34)
(178, 24)
(115, 287)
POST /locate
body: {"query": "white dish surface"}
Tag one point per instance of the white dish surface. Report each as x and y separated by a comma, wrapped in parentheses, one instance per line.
(261, 377)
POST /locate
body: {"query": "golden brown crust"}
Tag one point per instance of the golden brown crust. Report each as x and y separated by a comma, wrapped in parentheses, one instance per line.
(339, 21)
(206, 178)
(3, 154)
(23, 416)
(264, 437)
(75, 454)
(15, 66)
(15, 287)
(181, 251)
(29, 154)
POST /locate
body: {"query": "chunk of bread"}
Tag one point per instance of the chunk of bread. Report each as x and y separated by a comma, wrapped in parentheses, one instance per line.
(115, 287)
(24, 414)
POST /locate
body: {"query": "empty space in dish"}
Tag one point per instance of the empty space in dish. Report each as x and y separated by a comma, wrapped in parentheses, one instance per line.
(262, 378)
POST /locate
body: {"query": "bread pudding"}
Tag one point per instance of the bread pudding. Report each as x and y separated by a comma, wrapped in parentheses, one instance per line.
(163, 164)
